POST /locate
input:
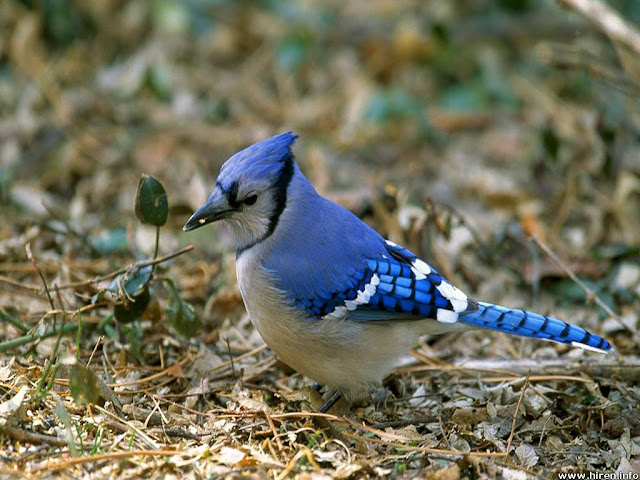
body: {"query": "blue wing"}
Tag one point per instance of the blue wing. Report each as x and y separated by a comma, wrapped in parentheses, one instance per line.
(391, 286)
(398, 285)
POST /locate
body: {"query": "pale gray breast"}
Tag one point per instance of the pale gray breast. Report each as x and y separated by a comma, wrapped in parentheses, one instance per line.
(270, 312)
(335, 351)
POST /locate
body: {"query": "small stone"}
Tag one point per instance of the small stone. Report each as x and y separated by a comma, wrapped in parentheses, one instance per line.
(628, 276)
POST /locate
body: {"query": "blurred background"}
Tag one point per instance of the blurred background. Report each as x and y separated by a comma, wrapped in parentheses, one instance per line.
(456, 128)
(464, 125)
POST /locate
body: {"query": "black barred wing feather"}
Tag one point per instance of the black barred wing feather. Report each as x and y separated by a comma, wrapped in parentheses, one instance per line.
(394, 286)
(398, 285)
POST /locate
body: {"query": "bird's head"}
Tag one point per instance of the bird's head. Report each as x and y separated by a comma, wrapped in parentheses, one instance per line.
(251, 190)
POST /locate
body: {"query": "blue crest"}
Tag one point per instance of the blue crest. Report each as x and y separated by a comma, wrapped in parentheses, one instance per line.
(263, 159)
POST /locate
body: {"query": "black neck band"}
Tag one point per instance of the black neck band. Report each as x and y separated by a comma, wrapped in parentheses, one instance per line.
(280, 199)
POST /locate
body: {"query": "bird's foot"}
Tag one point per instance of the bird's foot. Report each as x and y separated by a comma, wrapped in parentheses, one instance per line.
(330, 402)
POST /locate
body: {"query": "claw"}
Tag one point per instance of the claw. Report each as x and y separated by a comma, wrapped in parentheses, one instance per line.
(330, 402)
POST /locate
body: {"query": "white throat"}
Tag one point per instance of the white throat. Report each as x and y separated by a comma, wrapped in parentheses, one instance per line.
(247, 229)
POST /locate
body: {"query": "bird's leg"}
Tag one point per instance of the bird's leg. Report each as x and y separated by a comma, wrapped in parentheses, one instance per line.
(330, 402)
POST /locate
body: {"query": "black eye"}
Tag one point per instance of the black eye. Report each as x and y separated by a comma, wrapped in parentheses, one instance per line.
(250, 200)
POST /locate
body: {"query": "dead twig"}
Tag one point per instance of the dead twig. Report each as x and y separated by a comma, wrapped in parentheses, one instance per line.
(60, 465)
(561, 56)
(303, 452)
(515, 415)
(276, 436)
(27, 247)
(541, 369)
(138, 432)
(591, 295)
(115, 273)
(14, 283)
(608, 21)
(25, 436)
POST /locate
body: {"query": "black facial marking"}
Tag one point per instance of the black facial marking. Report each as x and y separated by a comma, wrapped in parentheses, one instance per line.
(232, 195)
(279, 197)
(280, 188)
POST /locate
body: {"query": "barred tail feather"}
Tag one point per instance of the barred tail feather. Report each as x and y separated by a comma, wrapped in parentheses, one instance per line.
(530, 324)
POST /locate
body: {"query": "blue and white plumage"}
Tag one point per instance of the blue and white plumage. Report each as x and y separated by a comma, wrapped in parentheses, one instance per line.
(329, 295)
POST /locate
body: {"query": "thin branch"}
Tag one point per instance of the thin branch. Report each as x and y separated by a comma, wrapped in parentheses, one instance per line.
(20, 435)
(26, 286)
(50, 467)
(27, 247)
(115, 273)
(608, 22)
(561, 56)
(78, 311)
(591, 295)
(540, 369)
(515, 415)
(277, 437)
(142, 435)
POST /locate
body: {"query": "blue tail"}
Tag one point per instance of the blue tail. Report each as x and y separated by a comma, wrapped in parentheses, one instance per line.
(529, 324)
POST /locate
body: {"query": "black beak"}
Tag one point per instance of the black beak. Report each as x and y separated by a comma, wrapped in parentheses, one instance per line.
(215, 208)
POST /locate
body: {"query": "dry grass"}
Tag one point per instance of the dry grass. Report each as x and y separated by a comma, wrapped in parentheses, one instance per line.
(459, 131)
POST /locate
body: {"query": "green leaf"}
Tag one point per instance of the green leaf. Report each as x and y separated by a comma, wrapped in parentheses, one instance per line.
(131, 310)
(182, 315)
(99, 296)
(152, 206)
(133, 282)
(83, 385)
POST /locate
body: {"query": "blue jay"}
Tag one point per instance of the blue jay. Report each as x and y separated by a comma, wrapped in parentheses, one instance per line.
(329, 295)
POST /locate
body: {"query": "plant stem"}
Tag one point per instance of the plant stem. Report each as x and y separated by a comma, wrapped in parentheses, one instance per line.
(16, 342)
(16, 323)
(155, 253)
